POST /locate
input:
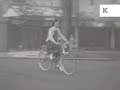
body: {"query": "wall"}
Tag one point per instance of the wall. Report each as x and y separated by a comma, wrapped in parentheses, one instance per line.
(91, 9)
(3, 36)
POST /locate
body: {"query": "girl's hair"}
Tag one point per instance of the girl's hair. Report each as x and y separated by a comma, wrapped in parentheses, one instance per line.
(56, 20)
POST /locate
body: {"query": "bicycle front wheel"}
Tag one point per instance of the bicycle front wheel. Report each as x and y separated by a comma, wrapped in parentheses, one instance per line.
(45, 63)
(69, 64)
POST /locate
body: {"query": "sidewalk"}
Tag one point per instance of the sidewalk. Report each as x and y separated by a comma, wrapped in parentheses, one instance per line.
(24, 54)
(103, 55)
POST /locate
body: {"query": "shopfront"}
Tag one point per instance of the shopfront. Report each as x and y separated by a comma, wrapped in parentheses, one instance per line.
(30, 35)
(93, 34)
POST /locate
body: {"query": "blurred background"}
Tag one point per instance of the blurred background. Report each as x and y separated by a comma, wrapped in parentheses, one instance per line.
(24, 24)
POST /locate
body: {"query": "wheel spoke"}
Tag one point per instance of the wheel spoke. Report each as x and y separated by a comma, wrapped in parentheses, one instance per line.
(45, 63)
(69, 64)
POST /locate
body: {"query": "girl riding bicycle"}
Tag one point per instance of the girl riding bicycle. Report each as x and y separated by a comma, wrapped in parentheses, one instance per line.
(53, 45)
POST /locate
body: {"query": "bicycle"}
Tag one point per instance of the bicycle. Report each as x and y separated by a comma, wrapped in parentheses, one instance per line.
(66, 61)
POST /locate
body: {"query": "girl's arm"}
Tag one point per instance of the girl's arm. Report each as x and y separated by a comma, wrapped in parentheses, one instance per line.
(62, 36)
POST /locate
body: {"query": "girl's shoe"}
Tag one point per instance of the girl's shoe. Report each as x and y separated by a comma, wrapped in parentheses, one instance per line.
(60, 67)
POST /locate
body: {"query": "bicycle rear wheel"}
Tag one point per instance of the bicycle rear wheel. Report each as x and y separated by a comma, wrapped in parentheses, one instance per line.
(68, 64)
(45, 63)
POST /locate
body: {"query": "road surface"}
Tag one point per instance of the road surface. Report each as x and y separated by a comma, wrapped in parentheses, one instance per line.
(24, 74)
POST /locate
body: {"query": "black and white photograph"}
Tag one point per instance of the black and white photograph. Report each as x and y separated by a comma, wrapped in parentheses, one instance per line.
(59, 44)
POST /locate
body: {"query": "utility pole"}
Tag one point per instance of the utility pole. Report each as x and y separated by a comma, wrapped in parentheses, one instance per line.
(67, 16)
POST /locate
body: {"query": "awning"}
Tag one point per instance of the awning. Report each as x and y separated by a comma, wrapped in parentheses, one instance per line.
(11, 13)
(28, 10)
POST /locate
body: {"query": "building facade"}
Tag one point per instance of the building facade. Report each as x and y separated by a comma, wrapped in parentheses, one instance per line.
(94, 31)
(80, 18)
(27, 23)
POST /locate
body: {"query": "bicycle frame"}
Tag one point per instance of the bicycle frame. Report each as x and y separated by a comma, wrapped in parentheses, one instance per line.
(63, 52)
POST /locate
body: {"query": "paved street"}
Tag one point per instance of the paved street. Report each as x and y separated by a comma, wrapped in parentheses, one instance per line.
(24, 74)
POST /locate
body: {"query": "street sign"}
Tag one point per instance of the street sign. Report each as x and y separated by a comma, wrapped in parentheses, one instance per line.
(109, 11)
